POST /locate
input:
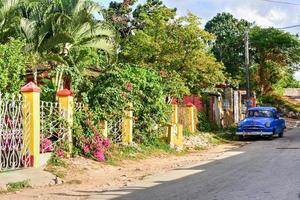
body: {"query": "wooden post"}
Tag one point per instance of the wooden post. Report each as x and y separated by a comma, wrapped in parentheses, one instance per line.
(31, 104)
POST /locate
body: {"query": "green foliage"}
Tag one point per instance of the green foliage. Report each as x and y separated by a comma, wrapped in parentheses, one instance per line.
(204, 124)
(228, 46)
(288, 81)
(12, 66)
(8, 19)
(163, 42)
(277, 55)
(118, 14)
(16, 186)
(56, 160)
(278, 102)
(115, 89)
(62, 36)
(49, 90)
(140, 151)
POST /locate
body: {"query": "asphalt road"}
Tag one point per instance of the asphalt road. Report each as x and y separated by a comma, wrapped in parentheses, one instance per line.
(263, 170)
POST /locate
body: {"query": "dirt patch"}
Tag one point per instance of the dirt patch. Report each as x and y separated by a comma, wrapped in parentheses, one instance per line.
(84, 177)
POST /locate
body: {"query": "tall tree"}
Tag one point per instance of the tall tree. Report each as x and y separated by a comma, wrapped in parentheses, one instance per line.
(229, 46)
(118, 14)
(276, 54)
(164, 42)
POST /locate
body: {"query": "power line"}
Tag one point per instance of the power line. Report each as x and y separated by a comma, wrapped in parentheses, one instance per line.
(288, 27)
(282, 2)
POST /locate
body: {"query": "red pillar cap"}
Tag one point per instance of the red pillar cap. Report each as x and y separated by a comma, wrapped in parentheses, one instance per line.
(189, 104)
(174, 102)
(64, 93)
(30, 87)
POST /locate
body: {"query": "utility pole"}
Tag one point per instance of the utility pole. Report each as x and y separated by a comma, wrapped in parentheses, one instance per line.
(247, 63)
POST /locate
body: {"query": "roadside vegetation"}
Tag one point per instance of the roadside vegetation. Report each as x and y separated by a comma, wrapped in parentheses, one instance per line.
(16, 186)
(139, 53)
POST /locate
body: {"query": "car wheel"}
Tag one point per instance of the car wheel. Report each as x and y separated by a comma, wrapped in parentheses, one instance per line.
(241, 137)
(281, 133)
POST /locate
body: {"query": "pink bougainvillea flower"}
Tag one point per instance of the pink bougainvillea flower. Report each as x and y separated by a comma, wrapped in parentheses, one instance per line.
(86, 149)
(60, 153)
(106, 143)
(129, 87)
(99, 155)
(46, 145)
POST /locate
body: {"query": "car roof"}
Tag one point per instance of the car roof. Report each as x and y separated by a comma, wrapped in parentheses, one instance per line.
(264, 108)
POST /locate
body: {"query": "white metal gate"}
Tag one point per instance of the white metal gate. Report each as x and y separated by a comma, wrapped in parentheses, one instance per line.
(14, 132)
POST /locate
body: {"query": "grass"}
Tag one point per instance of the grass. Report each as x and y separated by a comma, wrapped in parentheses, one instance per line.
(57, 166)
(16, 186)
(158, 147)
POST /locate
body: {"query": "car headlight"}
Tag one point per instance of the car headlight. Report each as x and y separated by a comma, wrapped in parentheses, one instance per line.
(268, 124)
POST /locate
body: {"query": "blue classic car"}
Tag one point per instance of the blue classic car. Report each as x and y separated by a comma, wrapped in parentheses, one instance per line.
(263, 121)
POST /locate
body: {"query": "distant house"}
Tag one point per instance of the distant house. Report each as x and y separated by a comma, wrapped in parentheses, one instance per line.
(293, 93)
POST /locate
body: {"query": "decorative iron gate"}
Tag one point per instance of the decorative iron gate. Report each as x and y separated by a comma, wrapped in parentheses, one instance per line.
(14, 132)
(53, 126)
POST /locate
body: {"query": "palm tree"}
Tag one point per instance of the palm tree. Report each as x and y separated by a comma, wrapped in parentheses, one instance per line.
(63, 27)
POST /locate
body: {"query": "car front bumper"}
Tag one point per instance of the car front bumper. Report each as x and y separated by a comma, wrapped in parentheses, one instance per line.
(261, 133)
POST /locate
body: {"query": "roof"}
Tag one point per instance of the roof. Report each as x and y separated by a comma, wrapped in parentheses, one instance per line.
(263, 108)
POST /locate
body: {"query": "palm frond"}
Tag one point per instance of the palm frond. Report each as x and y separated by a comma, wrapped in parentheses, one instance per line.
(55, 58)
(60, 38)
(28, 28)
(7, 6)
(100, 43)
(87, 6)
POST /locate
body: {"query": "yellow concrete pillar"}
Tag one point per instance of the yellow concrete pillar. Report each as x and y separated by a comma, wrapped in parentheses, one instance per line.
(172, 130)
(174, 112)
(127, 125)
(66, 102)
(31, 110)
(103, 125)
(175, 135)
(190, 110)
(179, 138)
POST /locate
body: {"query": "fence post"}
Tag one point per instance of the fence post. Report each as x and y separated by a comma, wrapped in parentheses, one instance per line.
(190, 116)
(175, 130)
(104, 129)
(174, 112)
(65, 100)
(31, 104)
(127, 125)
(175, 135)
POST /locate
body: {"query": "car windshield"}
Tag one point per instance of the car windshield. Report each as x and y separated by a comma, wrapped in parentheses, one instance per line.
(260, 113)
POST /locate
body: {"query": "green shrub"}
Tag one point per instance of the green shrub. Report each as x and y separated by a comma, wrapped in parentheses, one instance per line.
(204, 124)
(144, 88)
(12, 66)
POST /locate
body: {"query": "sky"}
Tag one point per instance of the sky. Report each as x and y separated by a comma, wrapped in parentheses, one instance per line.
(264, 13)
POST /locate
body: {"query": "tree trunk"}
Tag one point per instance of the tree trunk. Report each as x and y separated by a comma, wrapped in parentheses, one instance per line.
(35, 75)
